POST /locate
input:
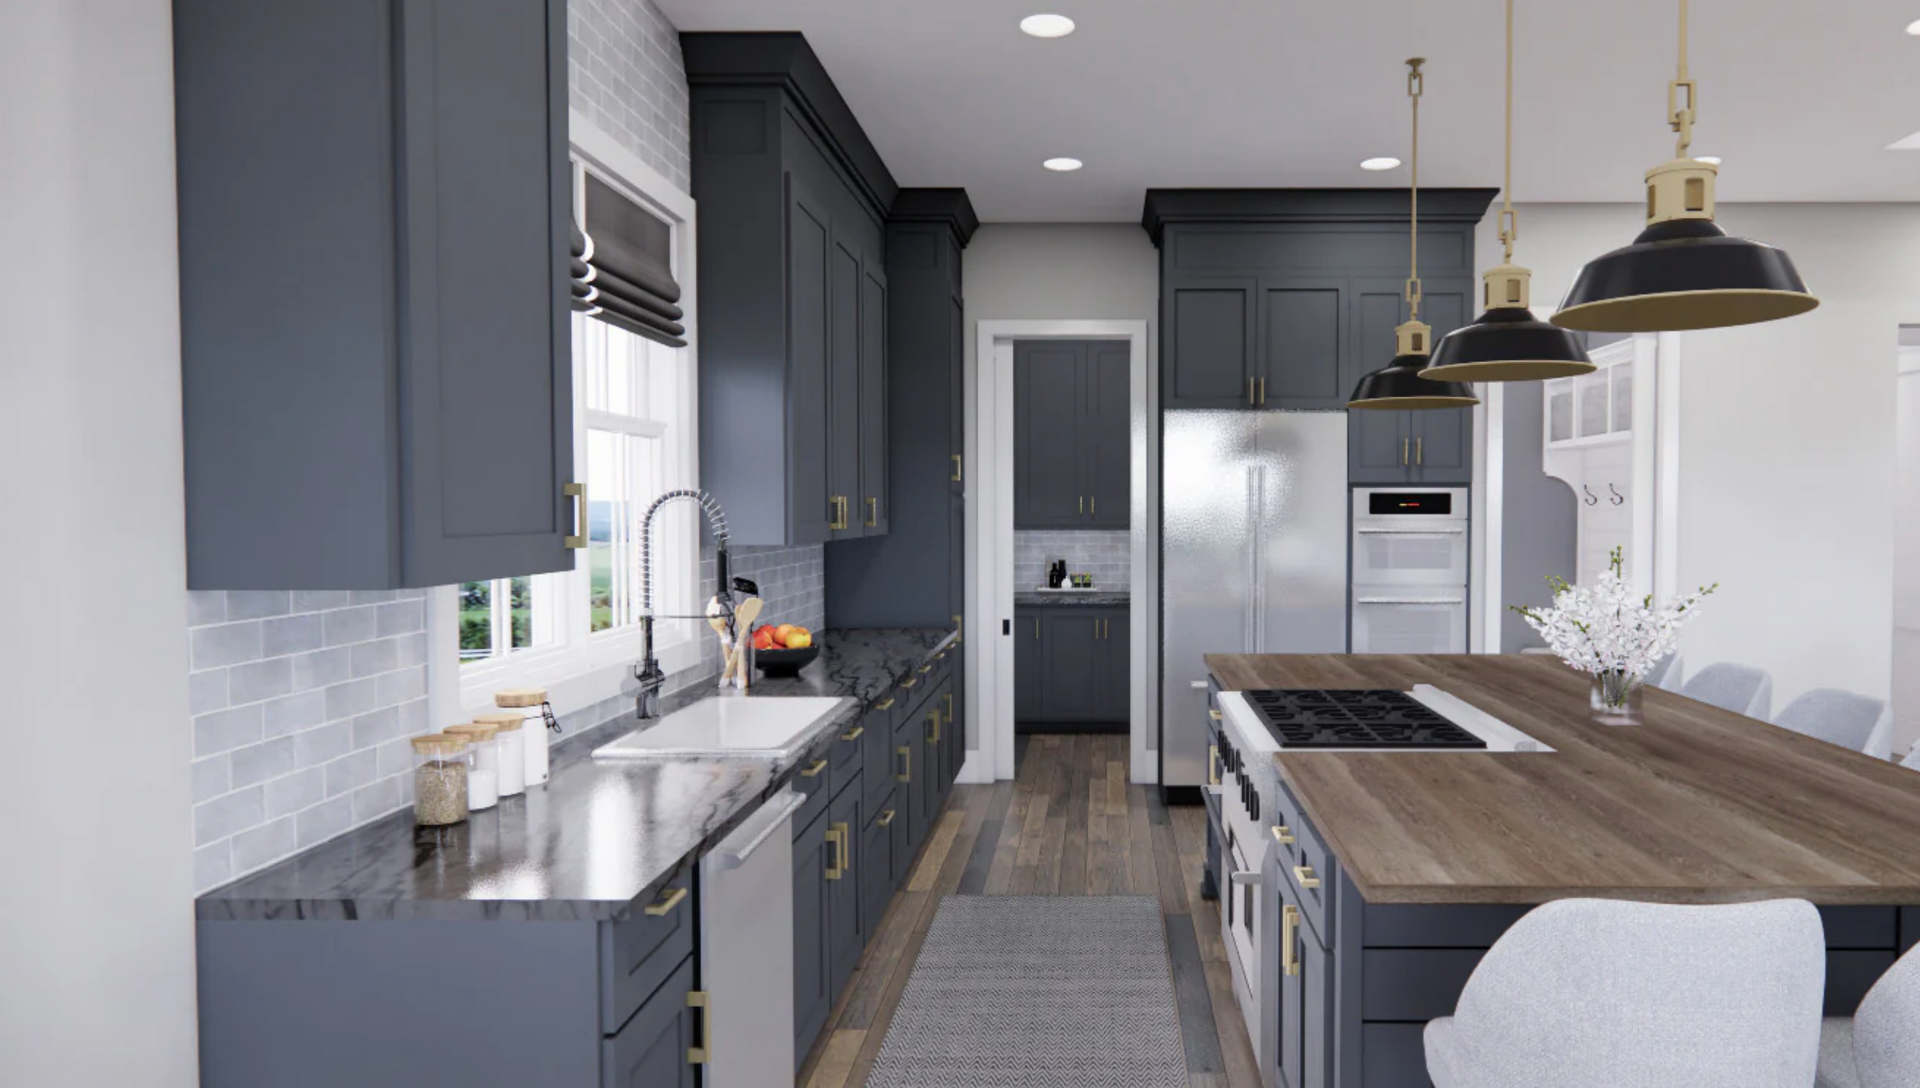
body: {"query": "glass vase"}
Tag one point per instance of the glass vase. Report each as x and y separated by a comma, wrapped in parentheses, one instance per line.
(1615, 699)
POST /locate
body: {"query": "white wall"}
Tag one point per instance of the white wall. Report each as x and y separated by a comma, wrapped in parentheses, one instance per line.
(1787, 453)
(1906, 559)
(1063, 271)
(96, 948)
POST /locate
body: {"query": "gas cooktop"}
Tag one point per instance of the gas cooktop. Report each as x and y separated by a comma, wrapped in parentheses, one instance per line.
(1356, 719)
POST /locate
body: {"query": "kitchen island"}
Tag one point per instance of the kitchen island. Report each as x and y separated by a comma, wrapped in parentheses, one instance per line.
(550, 940)
(1391, 872)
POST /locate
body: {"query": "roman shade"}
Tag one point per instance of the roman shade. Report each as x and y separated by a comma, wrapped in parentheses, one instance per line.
(622, 267)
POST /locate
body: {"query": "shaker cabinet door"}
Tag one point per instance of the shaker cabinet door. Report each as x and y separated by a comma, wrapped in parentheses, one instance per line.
(1028, 634)
(872, 508)
(1071, 660)
(1302, 332)
(1116, 679)
(808, 489)
(1210, 335)
(812, 960)
(1108, 435)
(1049, 490)
(843, 388)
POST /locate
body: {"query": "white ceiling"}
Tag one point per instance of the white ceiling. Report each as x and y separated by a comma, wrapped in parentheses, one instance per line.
(1799, 98)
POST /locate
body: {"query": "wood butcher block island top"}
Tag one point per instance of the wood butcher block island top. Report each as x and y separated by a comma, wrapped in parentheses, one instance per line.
(1698, 805)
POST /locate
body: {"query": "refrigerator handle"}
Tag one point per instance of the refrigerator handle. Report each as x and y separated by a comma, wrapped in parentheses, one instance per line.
(1250, 619)
(1259, 560)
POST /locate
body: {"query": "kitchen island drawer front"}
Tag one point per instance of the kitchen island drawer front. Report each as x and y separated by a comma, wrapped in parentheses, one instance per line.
(640, 951)
(1477, 926)
(1313, 870)
(652, 1051)
(1393, 1056)
(1414, 983)
(1861, 927)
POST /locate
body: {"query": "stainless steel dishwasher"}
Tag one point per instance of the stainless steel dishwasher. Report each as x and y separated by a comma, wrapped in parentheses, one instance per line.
(746, 950)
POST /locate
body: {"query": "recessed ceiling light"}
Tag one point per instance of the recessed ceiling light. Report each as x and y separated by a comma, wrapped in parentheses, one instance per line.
(1906, 143)
(1913, 28)
(1047, 26)
(1384, 162)
(1063, 164)
(1710, 160)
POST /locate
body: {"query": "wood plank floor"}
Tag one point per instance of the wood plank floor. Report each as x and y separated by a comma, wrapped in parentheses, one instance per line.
(1068, 824)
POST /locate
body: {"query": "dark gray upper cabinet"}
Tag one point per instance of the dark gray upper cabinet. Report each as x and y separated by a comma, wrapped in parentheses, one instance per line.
(793, 292)
(1209, 341)
(1302, 337)
(1073, 452)
(913, 575)
(376, 359)
(1429, 447)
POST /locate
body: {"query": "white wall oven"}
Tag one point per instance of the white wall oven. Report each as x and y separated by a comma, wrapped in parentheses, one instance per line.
(1409, 582)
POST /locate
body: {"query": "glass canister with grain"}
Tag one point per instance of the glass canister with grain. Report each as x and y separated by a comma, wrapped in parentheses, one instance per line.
(440, 766)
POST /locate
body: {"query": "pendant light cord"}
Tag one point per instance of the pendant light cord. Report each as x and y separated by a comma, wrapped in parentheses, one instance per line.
(1416, 85)
(1682, 116)
(1509, 225)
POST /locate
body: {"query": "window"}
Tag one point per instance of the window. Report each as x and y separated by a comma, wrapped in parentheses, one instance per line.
(634, 425)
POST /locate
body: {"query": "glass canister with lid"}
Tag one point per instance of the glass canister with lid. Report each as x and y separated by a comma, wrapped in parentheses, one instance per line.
(511, 739)
(440, 766)
(483, 777)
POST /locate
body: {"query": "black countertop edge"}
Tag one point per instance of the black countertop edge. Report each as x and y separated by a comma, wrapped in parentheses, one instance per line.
(597, 841)
(1091, 597)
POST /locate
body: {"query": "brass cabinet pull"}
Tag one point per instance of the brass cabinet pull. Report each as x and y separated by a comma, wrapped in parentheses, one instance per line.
(837, 839)
(814, 771)
(884, 704)
(1419, 451)
(1250, 401)
(702, 1054)
(1213, 764)
(909, 681)
(1289, 938)
(949, 699)
(1405, 443)
(1036, 627)
(925, 669)
(1214, 714)
(933, 734)
(664, 906)
(905, 752)
(854, 734)
(837, 520)
(1093, 504)
(846, 847)
(1083, 503)
(1283, 835)
(577, 492)
(1263, 393)
(1303, 876)
(959, 468)
(873, 511)
(885, 818)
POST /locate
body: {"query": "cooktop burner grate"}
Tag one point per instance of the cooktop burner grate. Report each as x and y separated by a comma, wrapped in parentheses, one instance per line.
(1356, 719)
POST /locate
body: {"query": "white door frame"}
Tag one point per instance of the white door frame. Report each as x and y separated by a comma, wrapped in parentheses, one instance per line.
(990, 574)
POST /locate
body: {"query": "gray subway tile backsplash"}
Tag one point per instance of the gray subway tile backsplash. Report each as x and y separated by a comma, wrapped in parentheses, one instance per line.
(258, 681)
(253, 604)
(257, 846)
(225, 644)
(292, 713)
(292, 635)
(1104, 553)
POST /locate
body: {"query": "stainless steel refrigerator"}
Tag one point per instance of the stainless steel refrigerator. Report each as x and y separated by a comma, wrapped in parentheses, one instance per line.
(1253, 555)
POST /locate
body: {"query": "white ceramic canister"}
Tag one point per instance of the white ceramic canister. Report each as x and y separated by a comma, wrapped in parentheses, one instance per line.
(483, 778)
(540, 724)
(511, 739)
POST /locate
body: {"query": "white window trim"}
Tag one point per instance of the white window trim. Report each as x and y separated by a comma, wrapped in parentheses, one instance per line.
(599, 665)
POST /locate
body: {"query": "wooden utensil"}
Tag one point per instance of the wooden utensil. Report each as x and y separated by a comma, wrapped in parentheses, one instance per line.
(719, 624)
(744, 616)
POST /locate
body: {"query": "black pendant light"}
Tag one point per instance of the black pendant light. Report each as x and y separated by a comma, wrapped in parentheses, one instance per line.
(1683, 272)
(1507, 343)
(1398, 386)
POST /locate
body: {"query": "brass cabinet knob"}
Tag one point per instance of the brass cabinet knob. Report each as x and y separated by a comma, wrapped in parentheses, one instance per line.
(1303, 876)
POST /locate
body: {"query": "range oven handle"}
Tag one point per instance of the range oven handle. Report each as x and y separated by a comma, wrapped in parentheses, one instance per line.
(1455, 530)
(1245, 877)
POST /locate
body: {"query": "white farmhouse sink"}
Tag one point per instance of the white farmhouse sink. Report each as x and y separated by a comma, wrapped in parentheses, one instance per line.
(728, 726)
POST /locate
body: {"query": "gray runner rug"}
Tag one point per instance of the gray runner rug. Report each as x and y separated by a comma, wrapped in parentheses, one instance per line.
(1039, 992)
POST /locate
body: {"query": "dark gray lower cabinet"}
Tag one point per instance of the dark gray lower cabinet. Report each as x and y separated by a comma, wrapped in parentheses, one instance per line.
(846, 918)
(1071, 666)
(875, 872)
(651, 1050)
(812, 940)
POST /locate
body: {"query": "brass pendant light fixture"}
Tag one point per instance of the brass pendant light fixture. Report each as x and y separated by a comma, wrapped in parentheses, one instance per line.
(1683, 272)
(1398, 385)
(1507, 343)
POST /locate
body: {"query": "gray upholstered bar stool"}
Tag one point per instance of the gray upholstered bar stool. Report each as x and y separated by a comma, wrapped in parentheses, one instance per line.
(1667, 674)
(1859, 722)
(1594, 993)
(1879, 1046)
(1739, 688)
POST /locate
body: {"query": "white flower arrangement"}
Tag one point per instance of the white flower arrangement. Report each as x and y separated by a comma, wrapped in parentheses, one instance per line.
(1606, 631)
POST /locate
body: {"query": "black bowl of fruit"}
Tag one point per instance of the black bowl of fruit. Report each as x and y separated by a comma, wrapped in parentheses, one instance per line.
(780, 651)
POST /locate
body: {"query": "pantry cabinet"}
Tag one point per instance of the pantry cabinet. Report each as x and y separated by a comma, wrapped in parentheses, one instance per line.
(376, 360)
(1073, 455)
(793, 295)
